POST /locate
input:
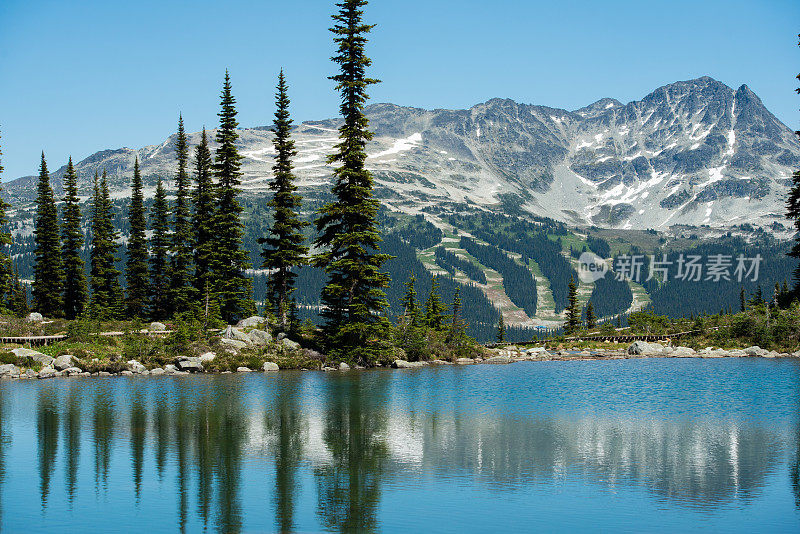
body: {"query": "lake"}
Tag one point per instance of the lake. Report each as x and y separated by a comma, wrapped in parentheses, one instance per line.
(625, 445)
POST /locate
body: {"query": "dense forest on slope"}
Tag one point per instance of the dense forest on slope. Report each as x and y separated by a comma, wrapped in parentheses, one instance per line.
(518, 282)
(610, 296)
(450, 263)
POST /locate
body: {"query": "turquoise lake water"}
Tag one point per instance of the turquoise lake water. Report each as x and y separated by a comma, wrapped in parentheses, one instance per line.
(666, 445)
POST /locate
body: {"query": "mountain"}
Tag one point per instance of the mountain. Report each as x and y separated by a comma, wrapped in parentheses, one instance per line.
(693, 153)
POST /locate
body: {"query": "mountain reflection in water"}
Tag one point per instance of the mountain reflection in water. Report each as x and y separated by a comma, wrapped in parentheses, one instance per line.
(305, 451)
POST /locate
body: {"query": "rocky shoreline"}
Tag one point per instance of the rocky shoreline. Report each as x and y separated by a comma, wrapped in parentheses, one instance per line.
(68, 366)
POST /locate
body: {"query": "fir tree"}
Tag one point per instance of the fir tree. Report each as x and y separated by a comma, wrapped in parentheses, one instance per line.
(501, 329)
(434, 308)
(203, 219)
(181, 262)
(75, 290)
(793, 213)
(136, 275)
(18, 296)
(234, 289)
(348, 233)
(5, 242)
(591, 318)
(758, 297)
(106, 300)
(573, 322)
(48, 273)
(159, 279)
(457, 331)
(285, 248)
(410, 301)
(742, 301)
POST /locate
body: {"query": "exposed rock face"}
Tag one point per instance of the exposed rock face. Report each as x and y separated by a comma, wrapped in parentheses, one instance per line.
(9, 369)
(259, 338)
(234, 344)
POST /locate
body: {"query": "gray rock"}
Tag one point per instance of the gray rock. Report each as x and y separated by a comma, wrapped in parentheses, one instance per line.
(772, 354)
(243, 370)
(170, 369)
(645, 349)
(207, 357)
(289, 344)
(254, 320)
(155, 326)
(683, 352)
(464, 361)
(281, 336)
(260, 337)
(234, 344)
(125, 372)
(47, 372)
(65, 361)
(403, 364)
(9, 369)
(498, 360)
(37, 356)
(343, 366)
(191, 364)
(270, 366)
(136, 367)
(314, 355)
(755, 350)
(35, 317)
(30, 373)
(440, 362)
(73, 371)
(737, 353)
(328, 369)
(157, 371)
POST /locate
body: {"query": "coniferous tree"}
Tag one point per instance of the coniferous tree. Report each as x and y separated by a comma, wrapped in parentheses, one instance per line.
(434, 307)
(6, 280)
(203, 219)
(181, 262)
(348, 233)
(48, 273)
(107, 299)
(501, 330)
(234, 289)
(285, 248)
(742, 301)
(591, 318)
(457, 332)
(573, 322)
(75, 290)
(136, 275)
(159, 277)
(793, 212)
(18, 296)
(410, 301)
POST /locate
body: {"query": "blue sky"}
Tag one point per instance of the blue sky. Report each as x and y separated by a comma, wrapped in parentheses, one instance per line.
(80, 76)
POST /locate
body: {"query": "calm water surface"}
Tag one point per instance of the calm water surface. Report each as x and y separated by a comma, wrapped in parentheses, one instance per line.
(627, 445)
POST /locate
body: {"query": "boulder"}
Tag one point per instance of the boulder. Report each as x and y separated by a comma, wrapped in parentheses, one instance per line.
(314, 355)
(9, 369)
(157, 371)
(254, 320)
(281, 336)
(155, 326)
(270, 366)
(403, 364)
(47, 372)
(207, 357)
(498, 359)
(125, 372)
(755, 350)
(683, 352)
(35, 355)
(103, 374)
(234, 344)
(63, 362)
(289, 344)
(464, 361)
(440, 362)
(772, 354)
(170, 369)
(238, 335)
(243, 370)
(344, 367)
(642, 348)
(191, 365)
(737, 353)
(328, 369)
(35, 317)
(260, 337)
(73, 371)
(136, 367)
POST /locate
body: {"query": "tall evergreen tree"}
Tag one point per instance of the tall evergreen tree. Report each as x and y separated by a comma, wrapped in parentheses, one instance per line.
(348, 234)
(48, 272)
(136, 275)
(742, 300)
(434, 307)
(6, 280)
(457, 332)
(410, 301)
(285, 248)
(181, 262)
(203, 219)
(591, 318)
(230, 261)
(159, 277)
(107, 300)
(75, 290)
(501, 329)
(793, 213)
(573, 322)
(18, 296)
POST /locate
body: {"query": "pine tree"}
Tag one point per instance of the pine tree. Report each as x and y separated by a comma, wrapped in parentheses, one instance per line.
(348, 233)
(742, 301)
(203, 219)
(75, 290)
(136, 275)
(18, 296)
(758, 297)
(434, 308)
(573, 322)
(591, 318)
(48, 277)
(159, 279)
(181, 293)
(457, 332)
(793, 213)
(106, 300)
(230, 259)
(410, 308)
(285, 248)
(501, 329)
(6, 280)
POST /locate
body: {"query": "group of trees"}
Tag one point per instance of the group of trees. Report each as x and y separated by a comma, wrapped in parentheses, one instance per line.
(13, 296)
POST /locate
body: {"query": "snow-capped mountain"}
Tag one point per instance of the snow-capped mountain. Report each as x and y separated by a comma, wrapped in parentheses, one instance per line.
(694, 152)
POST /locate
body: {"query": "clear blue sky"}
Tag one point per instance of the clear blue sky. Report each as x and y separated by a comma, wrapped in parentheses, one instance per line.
(79, 76)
